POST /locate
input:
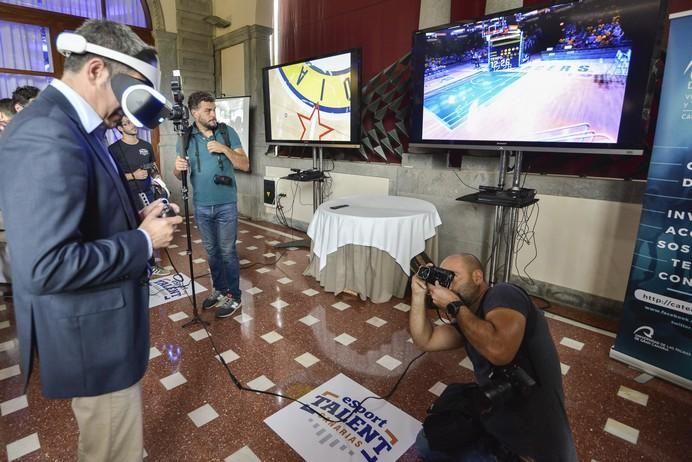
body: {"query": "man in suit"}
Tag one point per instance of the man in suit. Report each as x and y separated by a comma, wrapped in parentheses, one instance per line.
(79, 247)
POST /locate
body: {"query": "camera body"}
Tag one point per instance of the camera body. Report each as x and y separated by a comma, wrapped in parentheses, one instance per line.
(506, 383)
(180, 114)
(223, 179)
(432, 274)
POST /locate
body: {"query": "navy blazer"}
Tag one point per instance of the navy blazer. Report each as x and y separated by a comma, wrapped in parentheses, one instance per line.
(78, 260)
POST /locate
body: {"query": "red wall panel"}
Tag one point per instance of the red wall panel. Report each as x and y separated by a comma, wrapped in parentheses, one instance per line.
(466, 9)
(382, 28)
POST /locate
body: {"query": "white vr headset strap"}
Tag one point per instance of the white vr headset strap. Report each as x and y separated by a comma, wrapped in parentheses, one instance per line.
(69, 42)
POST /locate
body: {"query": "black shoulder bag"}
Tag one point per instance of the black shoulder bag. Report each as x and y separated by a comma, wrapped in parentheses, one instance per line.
(453, 420)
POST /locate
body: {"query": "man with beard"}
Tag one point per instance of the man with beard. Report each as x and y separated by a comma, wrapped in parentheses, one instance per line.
(214, 150)
(500, 329)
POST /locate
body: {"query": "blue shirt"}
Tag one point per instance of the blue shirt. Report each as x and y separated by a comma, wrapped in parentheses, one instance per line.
(203, 166)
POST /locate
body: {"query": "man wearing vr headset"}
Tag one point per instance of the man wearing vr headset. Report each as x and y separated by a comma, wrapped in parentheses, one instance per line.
(214, 151)
(499, 327)
(80, 248)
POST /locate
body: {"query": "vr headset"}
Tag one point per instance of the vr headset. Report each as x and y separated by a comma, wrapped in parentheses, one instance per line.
(141, 101)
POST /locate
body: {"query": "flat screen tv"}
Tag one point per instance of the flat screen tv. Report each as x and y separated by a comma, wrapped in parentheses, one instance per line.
(568, 77)
(314, 102)
(234, 111)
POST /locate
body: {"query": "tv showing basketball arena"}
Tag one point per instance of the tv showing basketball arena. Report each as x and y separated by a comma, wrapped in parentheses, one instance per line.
(569, 77)
(314, 102)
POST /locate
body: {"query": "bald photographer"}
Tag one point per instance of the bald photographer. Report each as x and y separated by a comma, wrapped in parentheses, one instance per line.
(516, 409)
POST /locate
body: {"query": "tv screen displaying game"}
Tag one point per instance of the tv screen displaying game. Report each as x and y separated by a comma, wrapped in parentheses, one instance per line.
(314, 102)
(234, 111)
(569, 77)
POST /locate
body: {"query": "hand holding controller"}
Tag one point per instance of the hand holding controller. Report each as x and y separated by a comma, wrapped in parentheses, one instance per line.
(160, 227)
(167, 211)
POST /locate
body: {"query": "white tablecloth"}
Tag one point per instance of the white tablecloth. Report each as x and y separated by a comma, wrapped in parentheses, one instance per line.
(396, 225)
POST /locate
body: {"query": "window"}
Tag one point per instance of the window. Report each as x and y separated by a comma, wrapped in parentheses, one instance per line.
(28, 30)
(130, 12)
(81, 8)
(29, 27)
(24, 47)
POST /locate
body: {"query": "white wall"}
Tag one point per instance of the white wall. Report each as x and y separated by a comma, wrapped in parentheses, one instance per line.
(342, 185)
(233, 70)
(583, 244)
(169, 15)
(493, 6)
(243, 13)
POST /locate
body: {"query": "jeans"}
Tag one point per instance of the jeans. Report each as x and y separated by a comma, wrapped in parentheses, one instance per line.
(218, 225)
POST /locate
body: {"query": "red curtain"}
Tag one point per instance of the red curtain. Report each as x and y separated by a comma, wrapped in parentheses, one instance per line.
(534, 2)
(383, 29)
(466, 9)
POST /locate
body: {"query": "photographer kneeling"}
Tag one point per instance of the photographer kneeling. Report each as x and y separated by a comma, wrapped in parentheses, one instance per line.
(517, 410)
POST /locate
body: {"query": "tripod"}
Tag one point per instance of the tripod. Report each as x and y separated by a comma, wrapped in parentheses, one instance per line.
(180, 117)
(195, 312)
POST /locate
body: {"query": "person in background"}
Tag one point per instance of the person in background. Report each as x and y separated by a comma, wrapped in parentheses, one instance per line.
(136, 158)
(23, 96)
(5, 112)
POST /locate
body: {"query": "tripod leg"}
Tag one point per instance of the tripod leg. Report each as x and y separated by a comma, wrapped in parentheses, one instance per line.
(195, 312)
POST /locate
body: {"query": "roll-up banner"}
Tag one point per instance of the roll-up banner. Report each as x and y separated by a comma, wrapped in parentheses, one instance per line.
(655, 333)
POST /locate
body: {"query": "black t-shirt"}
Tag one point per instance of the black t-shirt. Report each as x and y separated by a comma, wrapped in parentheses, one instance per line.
(537, 425)
(131, 157)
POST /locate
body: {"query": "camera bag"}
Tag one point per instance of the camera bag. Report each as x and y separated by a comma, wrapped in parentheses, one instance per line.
(453, 420)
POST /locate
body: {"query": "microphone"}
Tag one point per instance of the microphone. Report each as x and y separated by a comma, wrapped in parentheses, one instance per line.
(213, 138)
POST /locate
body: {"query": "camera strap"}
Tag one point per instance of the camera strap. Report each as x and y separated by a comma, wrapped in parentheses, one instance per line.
(199, 162)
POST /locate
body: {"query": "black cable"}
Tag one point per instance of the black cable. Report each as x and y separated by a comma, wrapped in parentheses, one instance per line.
(241, 387)
(527, 236)
(281, 217)
(462, 182)
(494, 246)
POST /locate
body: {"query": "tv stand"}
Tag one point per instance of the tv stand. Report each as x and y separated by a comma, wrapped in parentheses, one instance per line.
(506, 201)
(316, 175)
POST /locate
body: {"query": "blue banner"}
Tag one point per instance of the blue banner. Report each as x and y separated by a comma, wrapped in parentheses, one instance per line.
(656, 329)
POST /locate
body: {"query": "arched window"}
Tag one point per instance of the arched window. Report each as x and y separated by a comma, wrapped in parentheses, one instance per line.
(28, 29)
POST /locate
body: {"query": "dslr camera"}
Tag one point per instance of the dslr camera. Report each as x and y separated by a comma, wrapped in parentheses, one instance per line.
(432, 274)
(506, 383)
(223, 179)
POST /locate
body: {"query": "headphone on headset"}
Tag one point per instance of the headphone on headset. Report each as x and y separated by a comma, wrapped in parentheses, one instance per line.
(141, 101)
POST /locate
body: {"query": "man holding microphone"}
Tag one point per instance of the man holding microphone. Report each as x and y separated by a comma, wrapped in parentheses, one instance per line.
(214, 151)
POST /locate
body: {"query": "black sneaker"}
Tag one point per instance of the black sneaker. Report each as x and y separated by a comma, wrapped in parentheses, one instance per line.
(213, 300)
(227, 307)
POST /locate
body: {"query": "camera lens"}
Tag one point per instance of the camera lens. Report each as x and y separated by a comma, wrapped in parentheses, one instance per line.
(424, 272)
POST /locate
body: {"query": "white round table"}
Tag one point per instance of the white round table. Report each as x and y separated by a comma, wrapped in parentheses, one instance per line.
(368, 245)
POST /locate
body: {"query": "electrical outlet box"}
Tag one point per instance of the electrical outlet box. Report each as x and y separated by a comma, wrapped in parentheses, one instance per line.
(270, 192)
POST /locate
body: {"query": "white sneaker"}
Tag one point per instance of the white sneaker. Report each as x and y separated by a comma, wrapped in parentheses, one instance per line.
(158, 272)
